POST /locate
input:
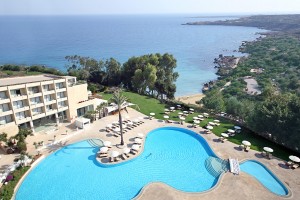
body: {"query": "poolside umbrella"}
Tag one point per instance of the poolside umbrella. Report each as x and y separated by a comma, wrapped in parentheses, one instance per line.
(185, 111)
(137, 140)
(114, 154)
(195, 118)
(205, 114)
(107, 143)
(246, 143)
(268, 149)
(294, 158)
(172, 108)
(103, 149)
(178, 106)
(200, 116)
(136, 121)
(152, 114)
(118, 129)
(180, 113)
(216, 120)
(224, 135)
(230, 131)
(135, 147)
(191, 109)
(237, 127)
(109, 125)
(209, 127)
(166, 116)
(140, 135)
(126, 150)
(167, 110)
(130, 123)
(211, 123)
(196, 121)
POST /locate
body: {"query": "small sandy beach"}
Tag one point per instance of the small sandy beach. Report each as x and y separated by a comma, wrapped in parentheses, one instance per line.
(190, 99)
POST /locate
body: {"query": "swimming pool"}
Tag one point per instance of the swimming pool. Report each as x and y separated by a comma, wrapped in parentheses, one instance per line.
(174, 156)
(264, 176)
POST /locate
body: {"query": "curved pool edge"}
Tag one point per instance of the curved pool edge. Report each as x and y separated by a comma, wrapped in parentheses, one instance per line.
(143, 146)
(218, 182)
(140, 193)
(25, 175)
(289, 194)
(40, 159)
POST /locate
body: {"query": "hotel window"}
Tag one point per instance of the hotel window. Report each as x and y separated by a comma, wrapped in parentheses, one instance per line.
(48, 98)
(15, 93)
(33, 90)
(4, 107)
(37, 111)
(18, 104)
(35, 100)
(59, 85)
(46, 87)
(5, 119)
(3, 95)
(61, 104)
(49, 107)
(20, 115)
(60, 95)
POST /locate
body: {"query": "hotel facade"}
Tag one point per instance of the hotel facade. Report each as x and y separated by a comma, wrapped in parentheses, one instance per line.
(35, 101)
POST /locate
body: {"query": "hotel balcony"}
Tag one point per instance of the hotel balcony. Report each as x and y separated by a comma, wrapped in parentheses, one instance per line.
(3, 101)
(62, 108)
(51, 112)
(61, 89)
(22, 120)
(37, 115)
(50, 102)
(4, 113)
(62, 99)
(24, 108)
(36, 105)
(38, 94)
(19, 97)
(46, 92)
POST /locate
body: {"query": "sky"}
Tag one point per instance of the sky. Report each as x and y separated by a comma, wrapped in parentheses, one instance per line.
(98, 7)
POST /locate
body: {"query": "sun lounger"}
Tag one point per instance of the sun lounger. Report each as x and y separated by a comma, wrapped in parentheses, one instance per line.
(111, 159)
(295, 166)
(116, 135)
(289, 163)
(132, 151)
(225, 139)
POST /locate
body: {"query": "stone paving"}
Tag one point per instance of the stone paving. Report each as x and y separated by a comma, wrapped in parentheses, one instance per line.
(230, 186)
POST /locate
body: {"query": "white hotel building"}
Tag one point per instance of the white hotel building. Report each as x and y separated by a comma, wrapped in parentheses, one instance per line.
(38, 101)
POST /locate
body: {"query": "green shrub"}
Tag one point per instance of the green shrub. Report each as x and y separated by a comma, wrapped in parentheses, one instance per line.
(7, 191)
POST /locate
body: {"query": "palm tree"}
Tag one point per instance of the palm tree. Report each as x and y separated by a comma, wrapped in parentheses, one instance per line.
(120, 101)
(100, 107)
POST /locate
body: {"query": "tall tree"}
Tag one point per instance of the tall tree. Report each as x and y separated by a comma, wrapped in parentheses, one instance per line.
(119, 99)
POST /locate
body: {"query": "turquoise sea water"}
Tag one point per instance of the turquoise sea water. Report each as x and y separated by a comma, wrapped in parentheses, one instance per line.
(173, 156)
(264, 176)
(46, 40)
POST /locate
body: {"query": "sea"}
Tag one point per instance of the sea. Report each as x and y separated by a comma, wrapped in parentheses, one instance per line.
(46, 40)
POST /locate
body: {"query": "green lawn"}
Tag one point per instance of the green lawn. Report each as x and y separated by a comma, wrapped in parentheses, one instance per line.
(148, 104)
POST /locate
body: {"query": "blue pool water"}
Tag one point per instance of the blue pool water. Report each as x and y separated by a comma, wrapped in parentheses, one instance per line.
(171, 155)
(265, 176)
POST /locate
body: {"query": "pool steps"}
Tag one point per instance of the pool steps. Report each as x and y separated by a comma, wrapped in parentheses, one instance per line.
(95, 143)
(216, 166)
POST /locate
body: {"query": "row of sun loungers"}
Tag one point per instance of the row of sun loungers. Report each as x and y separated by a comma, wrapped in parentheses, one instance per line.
(292, 165)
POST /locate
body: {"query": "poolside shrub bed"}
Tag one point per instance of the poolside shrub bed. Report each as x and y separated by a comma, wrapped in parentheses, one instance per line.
(7, 191)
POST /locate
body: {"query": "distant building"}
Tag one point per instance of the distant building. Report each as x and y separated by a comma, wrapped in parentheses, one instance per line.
(37, 101)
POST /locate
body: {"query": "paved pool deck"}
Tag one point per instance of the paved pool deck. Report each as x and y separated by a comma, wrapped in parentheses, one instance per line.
(230, 186)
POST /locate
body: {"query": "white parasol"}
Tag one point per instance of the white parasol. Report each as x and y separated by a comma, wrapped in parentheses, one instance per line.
(152, 114)
(216, 120)
(126, 150)
(135, 147)
(294, 158)
(107, 143)
(246, 143)
(103, 149)
(212, 123)
(166, 116)
(268, 149)
(114, 154)
(224, 135)
(237, 127)
(230, 131)
(137, 140)
(209, 127)
(200, 116)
